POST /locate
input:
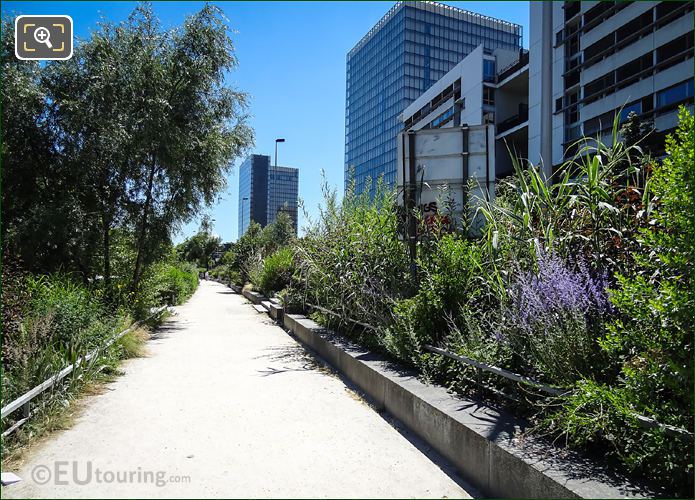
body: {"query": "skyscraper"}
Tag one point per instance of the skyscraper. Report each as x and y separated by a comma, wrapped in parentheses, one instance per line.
(283, 187)
(265, 191)
(408, 50)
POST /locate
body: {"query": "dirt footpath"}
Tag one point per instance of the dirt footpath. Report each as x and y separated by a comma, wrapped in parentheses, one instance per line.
(228, 405)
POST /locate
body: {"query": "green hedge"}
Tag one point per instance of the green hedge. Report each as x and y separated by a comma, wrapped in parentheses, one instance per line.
(172, 282)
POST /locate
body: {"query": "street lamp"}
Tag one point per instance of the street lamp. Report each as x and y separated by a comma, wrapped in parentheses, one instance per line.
(245, 198)
(276, 150)
(208, 232)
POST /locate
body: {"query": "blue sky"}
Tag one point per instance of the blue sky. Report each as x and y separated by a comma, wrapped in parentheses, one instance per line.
(292, 63)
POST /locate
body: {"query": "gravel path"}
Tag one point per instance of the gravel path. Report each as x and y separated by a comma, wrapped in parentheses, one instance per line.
(229, 405)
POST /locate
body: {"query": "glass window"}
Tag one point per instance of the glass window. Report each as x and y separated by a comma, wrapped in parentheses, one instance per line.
(635, 106)
(443, 118)
(488, 95)
(488, 70)
(682, 44)
(674, 95)
(387, 72)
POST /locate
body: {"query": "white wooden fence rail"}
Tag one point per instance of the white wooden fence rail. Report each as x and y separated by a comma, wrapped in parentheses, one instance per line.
(24, 399)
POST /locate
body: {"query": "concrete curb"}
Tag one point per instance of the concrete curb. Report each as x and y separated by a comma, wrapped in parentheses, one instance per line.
(484, 444)
(255, 297)
(276, 311)
(272, 306)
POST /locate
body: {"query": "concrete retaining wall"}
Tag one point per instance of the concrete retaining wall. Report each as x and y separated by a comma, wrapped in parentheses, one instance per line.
(485, 445)
(276, 311)
(254, 297)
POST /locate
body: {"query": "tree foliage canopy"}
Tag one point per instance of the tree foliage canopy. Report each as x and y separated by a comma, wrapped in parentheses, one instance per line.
(135, 133)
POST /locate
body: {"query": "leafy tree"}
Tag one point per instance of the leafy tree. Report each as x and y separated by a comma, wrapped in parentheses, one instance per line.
(41, 221)
(191, 126)
(636, 131)
(248, 247)
(133, 136)
(90, 96)
(200, 247)
(277, 234)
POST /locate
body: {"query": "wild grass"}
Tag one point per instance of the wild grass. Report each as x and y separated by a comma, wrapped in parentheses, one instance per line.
(59, 407)
(53, 322)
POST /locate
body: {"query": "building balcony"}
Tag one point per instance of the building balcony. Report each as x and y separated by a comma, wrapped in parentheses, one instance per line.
(513, 121)
(514, 67)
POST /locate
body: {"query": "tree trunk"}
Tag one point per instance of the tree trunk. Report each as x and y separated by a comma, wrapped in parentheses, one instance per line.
(106, 241)
(137, 274)
(84, 271)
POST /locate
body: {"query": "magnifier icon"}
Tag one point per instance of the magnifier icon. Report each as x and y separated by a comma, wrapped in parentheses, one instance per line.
(42, 35)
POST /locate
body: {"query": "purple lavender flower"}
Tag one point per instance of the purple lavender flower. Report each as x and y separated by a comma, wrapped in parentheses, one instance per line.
(559, 289)
(499, 336)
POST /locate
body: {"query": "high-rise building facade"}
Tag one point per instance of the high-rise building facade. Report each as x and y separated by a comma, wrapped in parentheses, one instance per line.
(408, 50)
(265, 191)
(591, 60)
(253, 191)
(283, 192)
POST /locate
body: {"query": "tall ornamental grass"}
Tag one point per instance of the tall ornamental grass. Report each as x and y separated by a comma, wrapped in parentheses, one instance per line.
(352, 259)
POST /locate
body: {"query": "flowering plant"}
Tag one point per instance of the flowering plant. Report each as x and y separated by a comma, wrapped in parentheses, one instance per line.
(555, 318)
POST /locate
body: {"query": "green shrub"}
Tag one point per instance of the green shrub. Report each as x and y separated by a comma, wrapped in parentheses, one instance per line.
(277, 271)
(600, 415)
(429, 316)
(226, 273)
(53, 320)
(244, 262)
(234, 276)
(71, 307)
(650, 339)
(61, 320)
(166, 281)
(584, 282)
(181, 279)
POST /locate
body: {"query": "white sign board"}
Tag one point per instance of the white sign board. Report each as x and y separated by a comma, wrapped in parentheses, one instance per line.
(445, 160)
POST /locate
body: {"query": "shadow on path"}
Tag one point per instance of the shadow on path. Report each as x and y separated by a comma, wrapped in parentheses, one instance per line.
(164, 330)
(299, 353)
(291, 355)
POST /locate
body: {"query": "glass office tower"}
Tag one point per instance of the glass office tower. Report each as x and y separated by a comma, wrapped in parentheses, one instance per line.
(265, 191)
(283, 191)
(408, 50)
(253, 191)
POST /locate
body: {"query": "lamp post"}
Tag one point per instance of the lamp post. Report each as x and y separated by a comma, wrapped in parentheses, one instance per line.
(206, 226)
(276, 150)
(242, 215)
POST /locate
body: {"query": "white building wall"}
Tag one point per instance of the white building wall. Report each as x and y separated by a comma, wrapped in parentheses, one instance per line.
(602, 29)
(534, 83)
(505, 58)
(472, 88)
(470, 71)
(646, 86)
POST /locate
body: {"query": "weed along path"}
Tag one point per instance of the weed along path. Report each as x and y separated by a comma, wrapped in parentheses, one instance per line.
(226, 404)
